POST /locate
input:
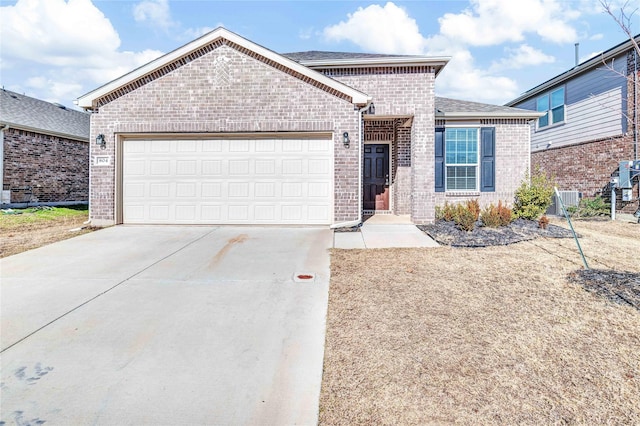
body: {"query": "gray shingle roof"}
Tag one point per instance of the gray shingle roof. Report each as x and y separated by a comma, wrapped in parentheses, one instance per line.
(446, 106)
(32, 114)
(318, 55)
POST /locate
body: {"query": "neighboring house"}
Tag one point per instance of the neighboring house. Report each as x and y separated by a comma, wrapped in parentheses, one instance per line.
(224, 131)
(44, 152)
(590, 121)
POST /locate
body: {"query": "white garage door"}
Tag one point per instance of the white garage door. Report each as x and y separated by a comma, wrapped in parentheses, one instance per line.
(236, 181)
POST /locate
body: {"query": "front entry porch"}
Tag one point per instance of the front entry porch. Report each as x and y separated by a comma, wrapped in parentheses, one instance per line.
(386, 178)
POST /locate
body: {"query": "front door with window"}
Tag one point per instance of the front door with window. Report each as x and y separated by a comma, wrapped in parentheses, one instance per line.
(376, 177)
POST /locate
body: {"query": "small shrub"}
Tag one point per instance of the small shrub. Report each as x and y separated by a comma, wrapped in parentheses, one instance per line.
(543, 222)
(474, 207)
(533, 197)
(493, 216)
(465, 217)
(506, 214)
(448, 212)
(590, 207)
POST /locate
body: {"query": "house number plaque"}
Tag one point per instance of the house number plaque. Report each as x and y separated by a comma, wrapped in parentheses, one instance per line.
(102, 160)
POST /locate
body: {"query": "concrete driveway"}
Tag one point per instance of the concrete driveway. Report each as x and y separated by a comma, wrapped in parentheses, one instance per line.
(166, 325)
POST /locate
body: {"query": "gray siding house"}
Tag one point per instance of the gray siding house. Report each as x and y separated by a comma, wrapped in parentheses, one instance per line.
(590, 120)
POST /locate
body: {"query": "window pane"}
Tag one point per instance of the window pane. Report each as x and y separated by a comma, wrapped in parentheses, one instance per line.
(542, 104)
(461, 178)
(557, 114)
(557, 98)
(543, 121)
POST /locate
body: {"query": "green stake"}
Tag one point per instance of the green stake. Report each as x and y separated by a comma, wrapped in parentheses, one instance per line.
(575, 236)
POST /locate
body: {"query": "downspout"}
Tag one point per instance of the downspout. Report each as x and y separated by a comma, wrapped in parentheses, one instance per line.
(2, 129)
(360, 143)
(635, 104)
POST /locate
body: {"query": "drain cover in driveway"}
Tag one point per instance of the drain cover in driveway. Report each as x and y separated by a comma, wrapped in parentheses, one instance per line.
(304, 277)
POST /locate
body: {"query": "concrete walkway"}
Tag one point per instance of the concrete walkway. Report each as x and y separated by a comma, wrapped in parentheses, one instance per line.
(384, 231)
(166, 325)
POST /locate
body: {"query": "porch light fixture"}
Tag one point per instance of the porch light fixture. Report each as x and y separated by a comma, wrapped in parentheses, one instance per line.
(345, 139)
(372, 109)
(100, 140)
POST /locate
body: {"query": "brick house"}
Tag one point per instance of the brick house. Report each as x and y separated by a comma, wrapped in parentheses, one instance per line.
(44, 152)
(590, 122)
(224, 131)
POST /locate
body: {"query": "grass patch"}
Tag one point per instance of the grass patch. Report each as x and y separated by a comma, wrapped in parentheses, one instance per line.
(495, 335)
(33, 227)
(39, 215)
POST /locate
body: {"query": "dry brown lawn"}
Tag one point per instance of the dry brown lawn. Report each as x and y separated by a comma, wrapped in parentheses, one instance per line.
(36, 228)
(493, 335)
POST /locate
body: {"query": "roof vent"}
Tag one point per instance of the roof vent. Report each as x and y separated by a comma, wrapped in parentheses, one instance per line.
(60, 105)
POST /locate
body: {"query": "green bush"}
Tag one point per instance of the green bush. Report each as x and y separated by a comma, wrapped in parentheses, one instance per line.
(533, 197)
(590, 207)
(493, 216)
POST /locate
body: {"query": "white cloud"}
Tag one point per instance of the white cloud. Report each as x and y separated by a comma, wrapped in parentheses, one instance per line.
(73, 40)
(401, 34)
(55, 32)
(461, 77)
(522, 56)
(305, 33)
(155, 13)
(491, 22)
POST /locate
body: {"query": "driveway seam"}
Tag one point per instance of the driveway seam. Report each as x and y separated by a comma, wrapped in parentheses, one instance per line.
(108, 290)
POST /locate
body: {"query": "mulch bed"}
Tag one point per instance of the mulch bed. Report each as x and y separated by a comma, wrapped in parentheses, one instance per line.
(619, 287)
(446, 233)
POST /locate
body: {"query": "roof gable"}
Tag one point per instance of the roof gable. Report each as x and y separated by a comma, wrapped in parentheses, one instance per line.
(203, 45)
(34, 115)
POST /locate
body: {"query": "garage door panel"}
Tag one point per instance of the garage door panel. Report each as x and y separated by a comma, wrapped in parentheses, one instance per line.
(286, 181)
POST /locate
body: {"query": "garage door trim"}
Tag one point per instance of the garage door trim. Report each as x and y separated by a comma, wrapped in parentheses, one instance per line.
(122, 138)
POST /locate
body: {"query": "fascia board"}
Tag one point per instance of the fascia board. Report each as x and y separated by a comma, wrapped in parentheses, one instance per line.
(439, 61)
(86, 101)
(491, 115)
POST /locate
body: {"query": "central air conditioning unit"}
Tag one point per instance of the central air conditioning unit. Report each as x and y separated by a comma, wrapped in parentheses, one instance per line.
(569, 198)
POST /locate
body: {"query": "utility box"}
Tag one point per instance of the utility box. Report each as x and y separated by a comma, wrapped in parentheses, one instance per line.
(627, 171)
(627, 195)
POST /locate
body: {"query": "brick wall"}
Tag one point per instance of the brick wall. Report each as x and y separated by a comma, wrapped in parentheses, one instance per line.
(512, 162)
(223, 91)
(587, 167)
(56, 169)
(405, 92)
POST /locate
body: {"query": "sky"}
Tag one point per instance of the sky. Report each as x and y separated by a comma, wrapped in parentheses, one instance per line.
(58, 50)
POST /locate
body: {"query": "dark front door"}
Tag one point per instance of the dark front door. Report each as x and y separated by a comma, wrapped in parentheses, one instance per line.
(376, 177)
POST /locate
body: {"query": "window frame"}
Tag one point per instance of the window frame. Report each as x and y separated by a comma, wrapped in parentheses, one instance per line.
(476, 165)
(548, 99)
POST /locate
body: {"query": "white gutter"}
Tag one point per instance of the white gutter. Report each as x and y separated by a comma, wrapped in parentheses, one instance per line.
(360, 144)
(531, 115)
